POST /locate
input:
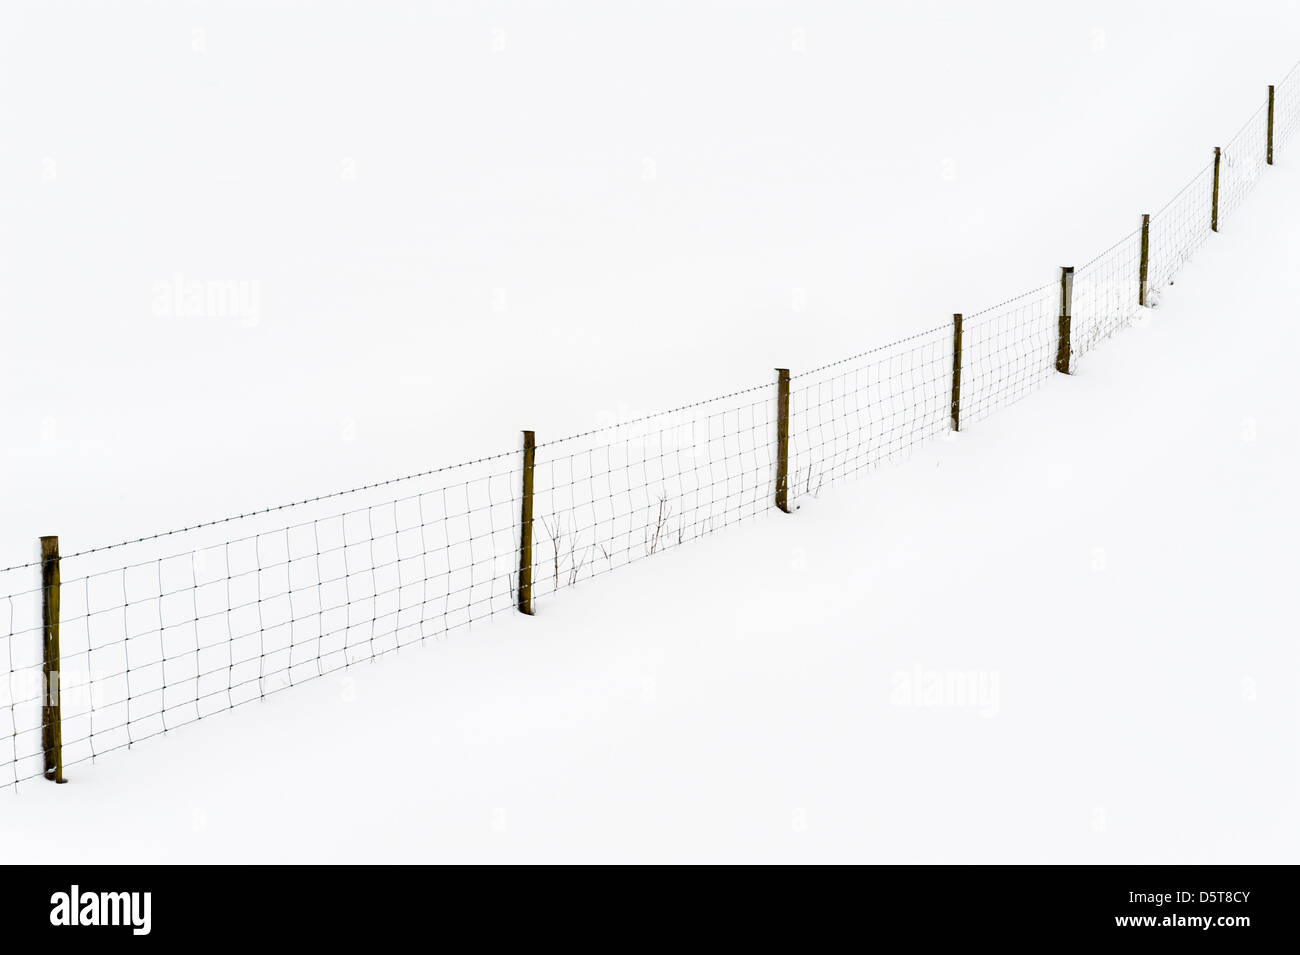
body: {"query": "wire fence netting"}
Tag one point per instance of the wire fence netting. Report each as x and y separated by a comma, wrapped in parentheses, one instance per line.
(1286, 107)
(1244, 158)
(633, 489)
(1105, 295)
(858, 413)
(1008, 352)
(150, 645)
(1178, 230)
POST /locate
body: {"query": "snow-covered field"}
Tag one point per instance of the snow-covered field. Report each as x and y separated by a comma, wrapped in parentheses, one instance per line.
(1062, 635)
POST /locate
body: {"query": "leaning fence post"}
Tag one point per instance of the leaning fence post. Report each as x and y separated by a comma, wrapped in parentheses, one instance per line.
(1063, 323)
(1142, 265)
(783, 439)
(51, 712)
(1214, 206)
(1270, 125)
(526, 529)
(956, 372)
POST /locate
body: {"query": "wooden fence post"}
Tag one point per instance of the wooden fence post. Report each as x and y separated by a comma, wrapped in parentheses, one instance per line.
(51, 711)
(1063, 323)
(956, 372)
(1270, 125)
(1142, 265)
(526, 529)
(1214, 207)
(783, 439)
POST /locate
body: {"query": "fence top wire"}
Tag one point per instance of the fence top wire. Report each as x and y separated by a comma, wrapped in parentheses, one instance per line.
(871, 351)
(1289, 73)
(1208, 167)
(1246, 125)
(650, 417)
(269, 510)
(1011, 301)
(272, 531)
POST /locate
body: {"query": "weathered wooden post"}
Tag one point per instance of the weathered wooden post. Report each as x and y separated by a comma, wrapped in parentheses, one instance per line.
(1270, 126)
(51, 711)
(1063, 322)
(956, 372)
(526, 528)
(1142, 265)
(1214, 202)
(783, 439)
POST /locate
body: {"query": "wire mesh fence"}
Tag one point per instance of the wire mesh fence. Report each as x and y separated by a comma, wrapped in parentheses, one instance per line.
(1287, 107)
(1010, 351)
(236, 609)
(858, 413)
(1105, 295)
(1178, 230)
(151, 645)
(630, 490)
(1244, 158)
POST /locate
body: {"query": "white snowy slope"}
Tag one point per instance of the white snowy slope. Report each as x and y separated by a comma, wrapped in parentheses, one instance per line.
(1064, 635)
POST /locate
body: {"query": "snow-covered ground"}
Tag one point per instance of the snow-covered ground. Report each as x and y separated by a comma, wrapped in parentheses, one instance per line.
(1062, 635)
